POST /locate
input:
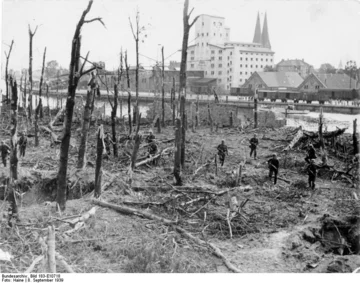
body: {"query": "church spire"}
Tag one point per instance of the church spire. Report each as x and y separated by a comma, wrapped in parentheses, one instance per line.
(257, 34)
(265, 34)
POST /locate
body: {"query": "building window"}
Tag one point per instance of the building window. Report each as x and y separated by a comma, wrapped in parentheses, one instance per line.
(212, 51)
(220, 51)
(220, 72)
(192, 58)
(202, 23)
(271, 60)
(228, 58)
(245, 66)
(256, 59)
(246, 59)
(212, 72)
(207, 43)
(256, 66)
(220, 35)
(213, 58)
(220, 58)
(212, 65)
(192, 66)
(219, 80)
(228, 64)
(230, 53)
(202, 34)
(251, 59)
(261, 59)
(207, 34)
(227, 35)
(245, 73)
(198, 34)
(240, 80)
(317, 87)
(230, 70)
(202, 44)
(261, 66)
(220, 65)
(240, 73)
(306, 86)
(266, 60)
(240, 65)
(240, 58)
(192, 52)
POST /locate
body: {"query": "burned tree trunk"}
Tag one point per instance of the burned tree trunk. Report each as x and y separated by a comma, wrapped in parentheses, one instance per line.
(183, 129)
(197, 117)
(113, 120)
(7, 70)
(177, 160)
(39, 106)
(355, 140)
(99, 153)
(210, 118)
(137, 144)
(129, 92)
(85, 129)
(75, 73)
(173, 102)
(30, 106)
(321, 129)
(13, 209)
(24, 96)
(163, 89)
(48, 101)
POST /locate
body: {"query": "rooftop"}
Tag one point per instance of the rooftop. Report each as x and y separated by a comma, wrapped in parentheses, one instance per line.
(281, 79)
(212, 16)
(293, 62)
(336, 81)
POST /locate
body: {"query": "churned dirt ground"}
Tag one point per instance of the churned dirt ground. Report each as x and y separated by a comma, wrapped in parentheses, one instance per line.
(279, 228)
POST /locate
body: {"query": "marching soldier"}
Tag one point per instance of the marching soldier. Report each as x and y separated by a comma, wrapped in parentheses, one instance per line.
(22, 144)
(152, 147)
(273, 167)
(222, 151)
(311, 170)
(108, 141)
(253, 145)
(5, 150)
(311, 153)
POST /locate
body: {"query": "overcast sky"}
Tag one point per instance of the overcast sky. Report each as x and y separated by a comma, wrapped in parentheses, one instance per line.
(316, 31)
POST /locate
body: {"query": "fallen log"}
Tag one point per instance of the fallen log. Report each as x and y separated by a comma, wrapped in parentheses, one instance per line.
(58, 115)
(163, 152)
(326, 135)
(215, 250)
(53, 135)
(296, 138)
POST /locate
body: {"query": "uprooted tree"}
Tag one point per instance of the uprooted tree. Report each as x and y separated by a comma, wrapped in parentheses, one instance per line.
(75, 73)
(7, 55)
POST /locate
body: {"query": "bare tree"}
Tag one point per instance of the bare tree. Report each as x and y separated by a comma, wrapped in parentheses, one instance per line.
(163, 87)
(136, 34)
(6, 71)
(13, 210)
(99, 153)
(38, 109)
(75, 73)
(31, 35)
(129, 92)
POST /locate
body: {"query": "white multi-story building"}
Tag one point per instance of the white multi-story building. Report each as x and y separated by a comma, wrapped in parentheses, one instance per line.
(230, 62)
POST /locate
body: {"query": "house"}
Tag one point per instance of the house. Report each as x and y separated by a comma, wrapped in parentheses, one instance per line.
(295, 65)
(274, 81)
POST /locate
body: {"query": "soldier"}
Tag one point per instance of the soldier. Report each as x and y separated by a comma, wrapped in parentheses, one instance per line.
(222, 150)
(22, 144)
(108, 141)
(5, 150)
(253, 145)
(150, 139)
(311, 169)
(273, 167)
(311, 153)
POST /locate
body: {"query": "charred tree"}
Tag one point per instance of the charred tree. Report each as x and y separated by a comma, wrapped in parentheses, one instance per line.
(173, 101)
(177, 159)
(30, 106)
(129, 92)
(13, 209)
(163, 88)
(137, 144)
(321, 139)
(75, 73)
(24, 96)
(7, 72)
(187, 27)
(38, 110)
(355, 140)
(48, 100)
(183, 129)
(99, 153)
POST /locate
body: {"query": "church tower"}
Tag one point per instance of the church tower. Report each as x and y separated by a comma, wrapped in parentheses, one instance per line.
(257, 34)
(265, 41)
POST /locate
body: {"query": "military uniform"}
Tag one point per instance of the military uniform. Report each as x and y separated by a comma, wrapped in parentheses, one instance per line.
(150, 139)
(5, 150)
(222, 150)
(273, 168)
(22, 145)
(253, 145)
(311, 154)
(311, 169)
(107, 141)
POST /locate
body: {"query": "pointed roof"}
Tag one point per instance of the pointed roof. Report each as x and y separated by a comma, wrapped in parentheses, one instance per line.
(265, 40)
(257, 34)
